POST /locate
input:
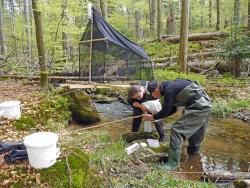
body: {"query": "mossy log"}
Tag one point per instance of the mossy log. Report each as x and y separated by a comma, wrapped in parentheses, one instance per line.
(130, 137)
(82, 108)
(226, 175)
(154, 158)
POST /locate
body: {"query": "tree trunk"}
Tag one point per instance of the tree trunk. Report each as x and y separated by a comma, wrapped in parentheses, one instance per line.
(31, 24)
(170, 18)
(65, 36)
(138, 29)
(248, 27)
(210, 14)
(236, 12)
(237, 65)
(27, 23)
(202, 14)
(40, 44)
(2, 35)
(182, 59)
(197, 37)
(159, 20)
(218, 15)
(104, 8)
(12, 14)
(153, 17)
(226, 175)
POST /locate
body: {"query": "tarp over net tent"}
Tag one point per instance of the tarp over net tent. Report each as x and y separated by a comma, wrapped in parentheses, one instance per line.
(105, 54)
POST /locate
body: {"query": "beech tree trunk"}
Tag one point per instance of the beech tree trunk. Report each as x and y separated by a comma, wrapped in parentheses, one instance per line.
(12, 17)
(138, 29)
(159, 21)
(40, 44)
(153, 17)
(104, 8)
(218, 15)
(237, 65)
(248, 26)
(210, 14)
(170, 19)
(182, 58)
(202, 14)
(65, 36)
(236, 12)
(27, 26)
(2, 34)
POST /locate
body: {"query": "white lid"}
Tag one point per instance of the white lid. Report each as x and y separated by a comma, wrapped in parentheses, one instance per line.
(9, 104)
(40, 139)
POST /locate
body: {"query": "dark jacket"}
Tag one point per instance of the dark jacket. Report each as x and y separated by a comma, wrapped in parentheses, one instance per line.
(170, 89)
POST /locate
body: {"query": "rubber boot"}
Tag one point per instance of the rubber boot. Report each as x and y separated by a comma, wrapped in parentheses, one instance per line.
(6, 147)
(16, 155)
(173, 160)
(193, 151)
(160, 130)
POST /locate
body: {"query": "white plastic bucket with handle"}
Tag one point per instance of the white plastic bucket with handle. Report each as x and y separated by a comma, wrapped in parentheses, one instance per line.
(42, 149)
(10, 109)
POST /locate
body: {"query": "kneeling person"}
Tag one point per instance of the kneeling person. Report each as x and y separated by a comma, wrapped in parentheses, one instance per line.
(136, 96)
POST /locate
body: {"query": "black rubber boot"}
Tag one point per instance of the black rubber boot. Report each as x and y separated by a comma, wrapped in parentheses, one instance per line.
(6, 147)
(16, 155)
(160, 130)
(193, 151)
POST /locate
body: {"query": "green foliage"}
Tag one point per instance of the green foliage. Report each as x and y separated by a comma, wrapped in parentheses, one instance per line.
(112, 152)
(228, 78)
(24, 123)
(237, 45)
(160, 179)
(76, 166)
(52, 111)
(167, 49)
(171, 75)
(223, 109)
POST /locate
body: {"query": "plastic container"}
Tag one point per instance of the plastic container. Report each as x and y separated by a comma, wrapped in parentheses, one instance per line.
(10, 109)
(147, 126)
(153, 106)
(153, 143)
(131, 149)
(42, 149)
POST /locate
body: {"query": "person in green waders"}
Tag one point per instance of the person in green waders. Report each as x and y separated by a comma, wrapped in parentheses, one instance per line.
(194, 120)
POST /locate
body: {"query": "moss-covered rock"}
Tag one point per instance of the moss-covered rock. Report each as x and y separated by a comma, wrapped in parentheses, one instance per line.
(82, 108)
(71, 172)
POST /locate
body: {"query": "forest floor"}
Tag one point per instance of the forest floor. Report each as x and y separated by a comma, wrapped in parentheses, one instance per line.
(26, 92)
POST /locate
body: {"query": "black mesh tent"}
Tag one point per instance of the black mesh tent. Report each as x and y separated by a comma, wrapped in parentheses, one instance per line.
(105, 54)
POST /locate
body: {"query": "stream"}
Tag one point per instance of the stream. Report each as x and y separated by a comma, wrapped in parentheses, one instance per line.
(225, 147)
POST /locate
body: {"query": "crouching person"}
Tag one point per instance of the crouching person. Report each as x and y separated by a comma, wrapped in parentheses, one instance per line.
(194, 120)
(136, 96)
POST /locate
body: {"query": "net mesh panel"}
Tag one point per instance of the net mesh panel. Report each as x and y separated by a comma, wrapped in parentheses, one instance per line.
(110, 61)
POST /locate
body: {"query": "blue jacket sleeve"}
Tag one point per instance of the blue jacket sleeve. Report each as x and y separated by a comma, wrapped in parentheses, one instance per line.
(168, 107)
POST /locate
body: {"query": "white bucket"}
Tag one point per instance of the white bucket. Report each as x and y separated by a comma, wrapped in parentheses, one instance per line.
(10, 109)
(42, 149)
(147, 126)
(153, 143)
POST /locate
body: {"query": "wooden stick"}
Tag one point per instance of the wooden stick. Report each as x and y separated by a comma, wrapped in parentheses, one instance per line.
(107, 123)
(94, 40)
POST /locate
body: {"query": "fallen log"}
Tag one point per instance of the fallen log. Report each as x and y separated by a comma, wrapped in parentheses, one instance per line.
(197, 37)
(226, 175)
(130, 137)
(190, 57)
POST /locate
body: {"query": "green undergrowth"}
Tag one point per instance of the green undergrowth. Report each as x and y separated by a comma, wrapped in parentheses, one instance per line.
(223, 109)
(230, 79)
(167, 49)
(172, 75)
(160, 179)
(51, 112)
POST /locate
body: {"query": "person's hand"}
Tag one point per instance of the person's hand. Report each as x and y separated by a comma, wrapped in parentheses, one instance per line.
(144, 109)
(147, 117)
(136, 104)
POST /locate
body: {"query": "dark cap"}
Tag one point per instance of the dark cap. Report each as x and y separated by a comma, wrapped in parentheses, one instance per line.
(152, 85)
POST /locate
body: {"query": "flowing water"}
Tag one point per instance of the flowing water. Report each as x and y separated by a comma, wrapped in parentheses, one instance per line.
(226, 145)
